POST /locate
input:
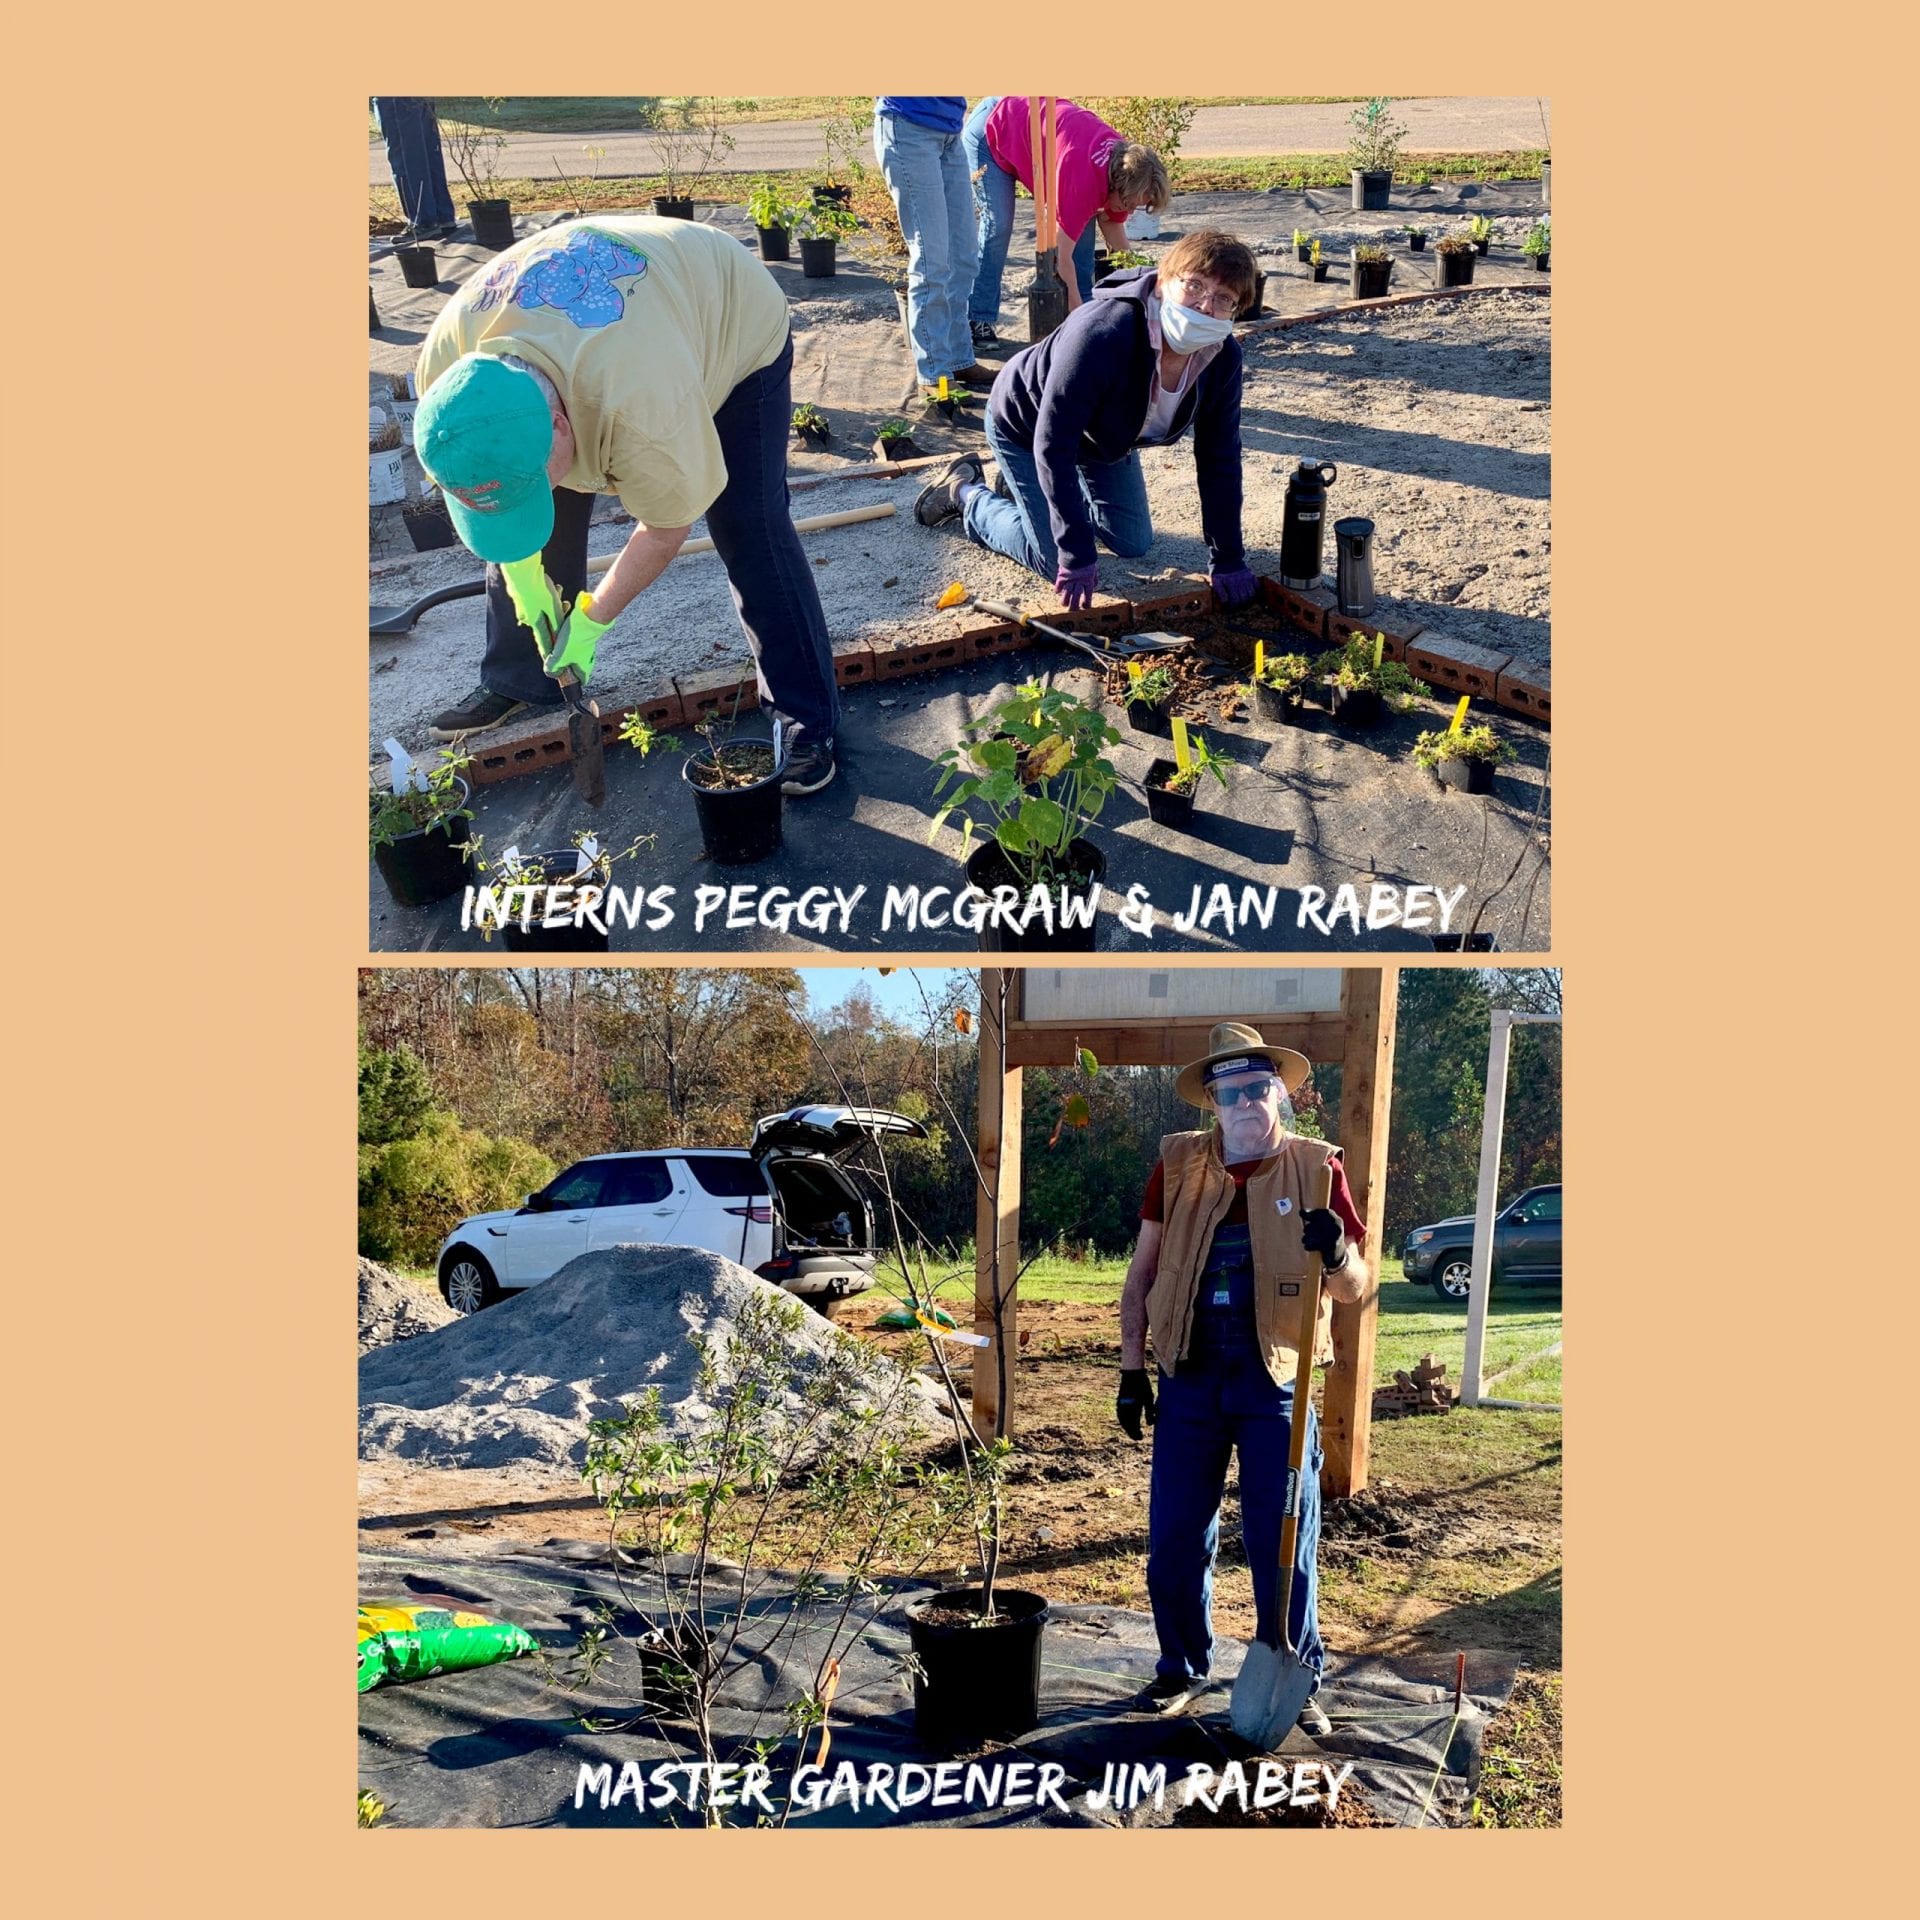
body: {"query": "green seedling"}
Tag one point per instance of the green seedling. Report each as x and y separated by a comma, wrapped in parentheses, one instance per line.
(1372, 256)
(1200, 759)
(1360, 666)
(391, 816)
(1463, 743)
(1539, 239)
(1151, 687)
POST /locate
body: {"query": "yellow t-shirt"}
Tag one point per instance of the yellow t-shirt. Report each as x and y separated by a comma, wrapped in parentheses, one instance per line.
(645, 326)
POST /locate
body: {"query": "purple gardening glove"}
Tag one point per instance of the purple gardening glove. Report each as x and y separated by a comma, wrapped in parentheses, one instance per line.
(1075, 585)
(1233, 586)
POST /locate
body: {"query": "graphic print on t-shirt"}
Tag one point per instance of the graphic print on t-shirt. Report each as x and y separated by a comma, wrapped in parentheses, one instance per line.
(575, 278)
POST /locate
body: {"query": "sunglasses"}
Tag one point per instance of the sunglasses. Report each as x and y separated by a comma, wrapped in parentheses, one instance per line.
(1236, 1096)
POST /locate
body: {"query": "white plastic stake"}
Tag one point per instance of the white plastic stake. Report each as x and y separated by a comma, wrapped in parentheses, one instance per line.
(587, 852)
(404, 776)
(779, 734)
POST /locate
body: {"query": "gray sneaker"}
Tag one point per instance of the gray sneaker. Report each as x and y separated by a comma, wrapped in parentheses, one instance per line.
(475, 714)
(1313, 1720)
(810, 766)
(939, 499)
(1168, 1693)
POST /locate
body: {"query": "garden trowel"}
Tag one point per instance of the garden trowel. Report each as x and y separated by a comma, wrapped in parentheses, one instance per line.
(1274, 1683)
(585, 749)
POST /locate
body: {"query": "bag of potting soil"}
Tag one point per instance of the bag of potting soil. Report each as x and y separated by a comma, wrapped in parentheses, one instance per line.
(408, 1643)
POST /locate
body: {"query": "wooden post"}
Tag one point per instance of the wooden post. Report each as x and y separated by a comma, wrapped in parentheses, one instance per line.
(996, 1230)
(1369, 997)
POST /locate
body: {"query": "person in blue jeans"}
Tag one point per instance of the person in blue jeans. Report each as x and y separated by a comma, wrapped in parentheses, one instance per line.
(916, 139)
(1149, 357)
(412, 133)
(1216, 1280)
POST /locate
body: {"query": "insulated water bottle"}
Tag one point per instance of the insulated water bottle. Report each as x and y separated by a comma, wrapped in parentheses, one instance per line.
(1353, 565)
(1302, 517)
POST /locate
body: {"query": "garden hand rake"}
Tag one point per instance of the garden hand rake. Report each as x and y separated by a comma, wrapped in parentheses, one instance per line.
(1103, 647)
(1274, 1683)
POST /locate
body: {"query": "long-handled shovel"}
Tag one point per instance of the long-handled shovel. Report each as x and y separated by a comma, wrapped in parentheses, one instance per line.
(1047, 299)
(1274, 1683)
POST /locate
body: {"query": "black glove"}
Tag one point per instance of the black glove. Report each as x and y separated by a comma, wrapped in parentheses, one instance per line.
(1321, 1233)
(1136, 1398)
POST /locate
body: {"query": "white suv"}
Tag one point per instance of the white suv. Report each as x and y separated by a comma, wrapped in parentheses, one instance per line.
(782, 1207)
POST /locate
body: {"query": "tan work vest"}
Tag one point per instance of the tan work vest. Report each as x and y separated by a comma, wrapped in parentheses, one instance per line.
(1198, 1194)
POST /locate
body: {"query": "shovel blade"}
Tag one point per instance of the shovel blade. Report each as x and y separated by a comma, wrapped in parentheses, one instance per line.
(389, 621)
(588, 753)
(1046, 299)
(1268, 1693)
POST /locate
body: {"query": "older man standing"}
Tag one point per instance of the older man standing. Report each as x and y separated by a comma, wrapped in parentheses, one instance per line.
(646, 358)
(1216, 1279)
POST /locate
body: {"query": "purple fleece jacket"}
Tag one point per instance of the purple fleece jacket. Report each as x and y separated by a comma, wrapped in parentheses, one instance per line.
(1082, 394)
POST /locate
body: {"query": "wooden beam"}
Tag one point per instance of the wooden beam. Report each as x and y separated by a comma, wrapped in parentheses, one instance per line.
(1369, 998)
(996, 1232)
(1320, 1036)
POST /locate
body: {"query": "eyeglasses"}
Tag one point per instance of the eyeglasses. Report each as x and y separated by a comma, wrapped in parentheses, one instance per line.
(1247, 1092)
(1221, 305)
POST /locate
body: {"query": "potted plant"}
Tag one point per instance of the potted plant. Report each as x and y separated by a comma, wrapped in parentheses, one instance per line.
(895, 441)
(1315, 265)
(1127, 257)
(1149, 698)
(1362, 684)
(1463, 757)
(845, 134)
(1456, 260)
(1417, 239)
(386, 465)
(1372, 148)
(417, 267)
(1482, 232)
(580, 190)
(687, 137)
(1036, 765)
(429, 525)
(772, 218)
(1255, 300)
(1372, 272)
(818, 229)
(736, 790)
(418, 835)
(811, 424)
(475, 152)
(1277, 687)
(1538, 245)
(1172, 789)
(1302, 246)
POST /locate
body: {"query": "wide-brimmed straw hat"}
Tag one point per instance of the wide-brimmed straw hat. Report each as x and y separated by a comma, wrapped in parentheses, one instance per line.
(1230, 1044)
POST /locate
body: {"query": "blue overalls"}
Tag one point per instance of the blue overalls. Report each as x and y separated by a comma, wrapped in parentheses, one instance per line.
(1223, 1398)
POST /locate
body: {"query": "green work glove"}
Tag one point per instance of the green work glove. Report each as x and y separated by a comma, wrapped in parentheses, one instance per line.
(535, 598)
(579, 636)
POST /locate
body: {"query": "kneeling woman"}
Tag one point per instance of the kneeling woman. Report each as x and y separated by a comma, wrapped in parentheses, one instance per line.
(1150, 355)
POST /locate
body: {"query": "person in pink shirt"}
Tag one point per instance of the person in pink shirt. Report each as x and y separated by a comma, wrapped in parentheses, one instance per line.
(1103, 177)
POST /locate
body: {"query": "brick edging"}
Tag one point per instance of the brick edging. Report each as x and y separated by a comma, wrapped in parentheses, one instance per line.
(1279, 322)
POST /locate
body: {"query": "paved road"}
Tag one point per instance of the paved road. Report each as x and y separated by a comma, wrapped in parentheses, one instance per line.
(1433, 126)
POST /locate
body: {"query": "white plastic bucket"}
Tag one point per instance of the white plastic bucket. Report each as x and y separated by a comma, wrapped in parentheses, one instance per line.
(386, 477)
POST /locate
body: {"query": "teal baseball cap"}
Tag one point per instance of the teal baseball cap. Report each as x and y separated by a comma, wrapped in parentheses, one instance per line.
(485, 433)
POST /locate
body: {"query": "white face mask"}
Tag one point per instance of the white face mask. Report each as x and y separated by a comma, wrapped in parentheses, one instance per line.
(1187, 329)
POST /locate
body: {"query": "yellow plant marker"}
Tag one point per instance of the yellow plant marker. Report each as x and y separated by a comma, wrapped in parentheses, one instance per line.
(1379, 647)
(1134, 671)
(1182, 753)
(953, 596)
(943, 386)
(1460, 713)
(1259, 658)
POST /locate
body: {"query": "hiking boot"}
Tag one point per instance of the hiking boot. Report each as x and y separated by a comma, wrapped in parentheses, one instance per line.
(975, 376)
(476, 713)
(1000, 482)
(939, 500)
(1313, 1720)
(983, 335)
(810, 766)
(1168, 1693)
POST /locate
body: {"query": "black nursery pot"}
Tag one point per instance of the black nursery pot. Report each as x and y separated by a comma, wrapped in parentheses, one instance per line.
(988, 868)
(1456, 269)
(373, 313)
(420, 868)
(1303, 254)
(738, 825)
(1282, 704)
(492, 223)
(1465, 772)
(1165, 807)
(1464, 943)
(816, 258)
(1318, 268)
(673, 206)
(1540, 262)
(815, 436)
(977, 1682)
(1481, 246)
(902, 449)
(1356, 706)
(1258, 299)
(1371, 188)
(1144, 717)
(773, 242)
(1371, 279)
(554, 868)
(429, 527)
(416, 266)
(833, 196)
(1417, 242)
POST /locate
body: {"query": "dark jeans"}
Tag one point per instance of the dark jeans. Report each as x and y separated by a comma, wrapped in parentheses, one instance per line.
(419, 169)
(1223, 1400)
(751, 525)
(1114, 493)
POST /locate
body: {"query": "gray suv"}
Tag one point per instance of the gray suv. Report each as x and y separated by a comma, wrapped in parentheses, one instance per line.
(1526, 1247)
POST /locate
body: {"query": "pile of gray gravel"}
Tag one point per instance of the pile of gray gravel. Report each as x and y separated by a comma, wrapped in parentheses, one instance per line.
(520, 1381)
(392, 1309)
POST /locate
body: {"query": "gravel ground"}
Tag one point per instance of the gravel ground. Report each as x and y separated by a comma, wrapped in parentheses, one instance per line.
(393, 1309)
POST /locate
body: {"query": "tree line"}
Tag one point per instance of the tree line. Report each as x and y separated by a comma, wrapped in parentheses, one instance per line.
(478, 1084)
